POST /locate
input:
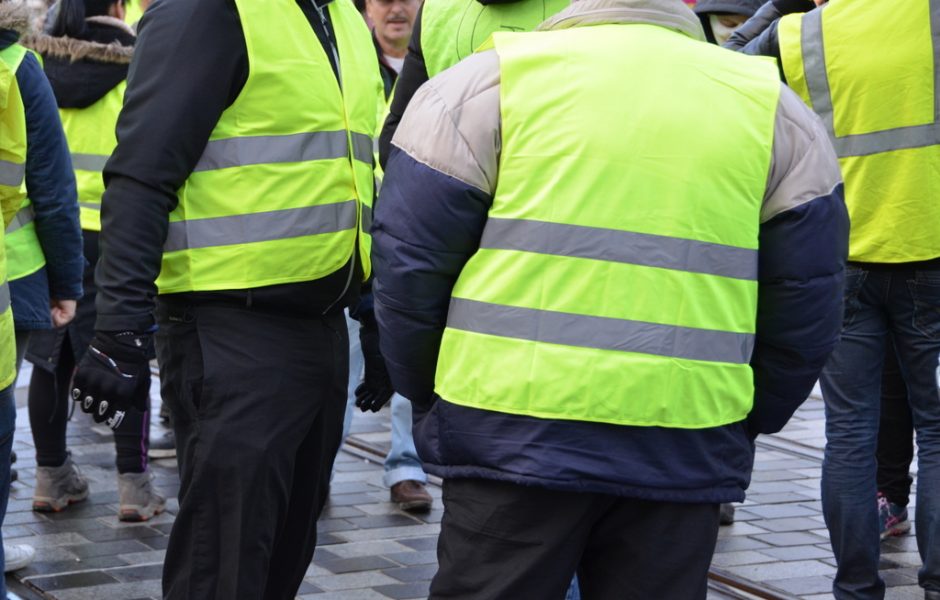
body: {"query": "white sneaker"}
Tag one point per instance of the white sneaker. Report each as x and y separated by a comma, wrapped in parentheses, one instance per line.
(16, 557)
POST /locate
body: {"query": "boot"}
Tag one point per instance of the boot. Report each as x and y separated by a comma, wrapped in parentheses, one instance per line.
(57, 487)
(139, 501)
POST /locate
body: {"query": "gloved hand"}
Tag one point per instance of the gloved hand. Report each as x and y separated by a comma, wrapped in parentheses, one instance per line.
(113, 376)
(376, 387)
(793, 6)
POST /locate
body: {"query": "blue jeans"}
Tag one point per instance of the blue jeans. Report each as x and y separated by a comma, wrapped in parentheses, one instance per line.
(906, 304)
(7, 428)
(402, 462)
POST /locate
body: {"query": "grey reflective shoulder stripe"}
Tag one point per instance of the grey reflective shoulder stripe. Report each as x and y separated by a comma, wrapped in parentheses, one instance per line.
(90, 205)
(261, 227)
(4, 297)
(89, 162)
(602, 333)
(876, 142)
(11, 173)
(620, 246)
(23, 217)
(269, 149)
(366, 218)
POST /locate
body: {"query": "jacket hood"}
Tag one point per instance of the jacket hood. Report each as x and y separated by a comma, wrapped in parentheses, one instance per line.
(735, 7)
(82, 71)
(14, 22)
(672, 14)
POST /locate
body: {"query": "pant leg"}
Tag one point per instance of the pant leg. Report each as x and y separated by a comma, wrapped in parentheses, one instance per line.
(640, 549)
(356, 371)
(501, 541)
(253, 387)
(48, 402)
(7, 429)
(915, 305)
(131, 442)
(402, 462)
(895, 434)
(851, 386)
(22, 341)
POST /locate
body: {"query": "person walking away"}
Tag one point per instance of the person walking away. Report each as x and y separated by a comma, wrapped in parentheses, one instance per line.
(43, 242)
(13, 146)
(592, 351)
(880, 114)
(236, 196)
(446, 32)
(392, 22)
(85, 56)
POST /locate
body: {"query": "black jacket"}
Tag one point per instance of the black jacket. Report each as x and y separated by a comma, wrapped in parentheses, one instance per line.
(190, 65)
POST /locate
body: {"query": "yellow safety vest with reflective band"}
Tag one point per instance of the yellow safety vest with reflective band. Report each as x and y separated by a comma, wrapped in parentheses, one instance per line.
(452, 31)
(12, 161)
(868, 69)
(284, 187)
(619, 285)
(132, 12)
(23, 251)
(91, 137)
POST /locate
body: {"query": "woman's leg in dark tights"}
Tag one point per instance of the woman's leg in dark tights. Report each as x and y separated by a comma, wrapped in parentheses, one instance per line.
(49, 409)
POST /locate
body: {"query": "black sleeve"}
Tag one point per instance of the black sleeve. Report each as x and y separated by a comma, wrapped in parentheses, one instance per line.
(189, 66)
(413, 74)
(758, 36)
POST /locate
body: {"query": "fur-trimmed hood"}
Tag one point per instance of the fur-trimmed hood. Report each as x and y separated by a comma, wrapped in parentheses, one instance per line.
(14, 21)
(82, 70)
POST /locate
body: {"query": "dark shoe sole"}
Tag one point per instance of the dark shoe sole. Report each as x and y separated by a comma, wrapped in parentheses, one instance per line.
(415, 506)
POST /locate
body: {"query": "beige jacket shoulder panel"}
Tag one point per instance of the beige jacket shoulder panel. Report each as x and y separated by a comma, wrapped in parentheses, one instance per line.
(803, 165)
(452, 122)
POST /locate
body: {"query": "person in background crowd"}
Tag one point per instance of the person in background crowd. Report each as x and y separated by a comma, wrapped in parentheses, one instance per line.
(43, 243)
(85, 55)
(880, 114)
(236, 199)
(392, 22)
(13, 158)
(721, 17)
(446, 32)
(895, 450)
(591, 352)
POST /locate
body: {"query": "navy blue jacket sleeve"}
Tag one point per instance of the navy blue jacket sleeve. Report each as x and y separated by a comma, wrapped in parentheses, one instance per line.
(427, 226)
(799, 309)
(50, 183)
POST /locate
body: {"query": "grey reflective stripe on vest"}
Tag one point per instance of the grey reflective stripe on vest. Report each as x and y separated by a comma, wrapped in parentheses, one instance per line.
(603, 333)
(269, 149)
(863, 144)
(89, 162)
(620, 246)
(11, 173)
(90, 205)
(366, 218)
(23, 217)
(261, 227)
(4, 297)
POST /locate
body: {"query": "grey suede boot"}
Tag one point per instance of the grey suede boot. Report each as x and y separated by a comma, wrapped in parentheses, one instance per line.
(139, 501)
(57, 487)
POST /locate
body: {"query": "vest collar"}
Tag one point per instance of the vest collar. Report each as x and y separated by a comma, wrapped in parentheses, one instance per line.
(671, 14)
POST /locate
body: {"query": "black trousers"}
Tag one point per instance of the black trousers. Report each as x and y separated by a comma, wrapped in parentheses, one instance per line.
(895, 434)
(257, 402)
(505, 541)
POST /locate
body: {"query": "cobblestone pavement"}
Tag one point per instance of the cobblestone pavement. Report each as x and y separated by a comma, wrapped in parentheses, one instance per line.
(368, 549)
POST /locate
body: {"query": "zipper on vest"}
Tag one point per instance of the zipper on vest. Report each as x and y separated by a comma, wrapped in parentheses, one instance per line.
(329, 38)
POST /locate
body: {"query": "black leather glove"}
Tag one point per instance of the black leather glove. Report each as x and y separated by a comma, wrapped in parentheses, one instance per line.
(793, 6)
(114, 376)
(376, 387)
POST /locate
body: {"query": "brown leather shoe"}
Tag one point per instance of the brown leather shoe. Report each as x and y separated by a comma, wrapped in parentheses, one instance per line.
(411, 495)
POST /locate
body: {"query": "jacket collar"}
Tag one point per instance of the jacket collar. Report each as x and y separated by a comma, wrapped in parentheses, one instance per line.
(671, 14)
(14, 16)
(73, 49)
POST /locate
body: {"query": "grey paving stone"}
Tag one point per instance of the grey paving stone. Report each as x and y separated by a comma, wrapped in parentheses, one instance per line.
(377, 521)
(349, 581)
(743, 557)
(418, 557)
(780, 475)
(788, 524)
(780, 511)
(106, 548)
(412, 574)
(137, 589)
(783, 570)
(110, 535)
(733, 544)
(802, 586)
(137, 573)
(356, 563)
(74, 580)
(388, 533)
(792, 538)
(404, 590)
(791, 553)
(328, 525)
(67, 566)
(777, 498)
(340, 512)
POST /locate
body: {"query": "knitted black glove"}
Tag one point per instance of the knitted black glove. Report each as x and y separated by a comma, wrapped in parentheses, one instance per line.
(114, 376)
